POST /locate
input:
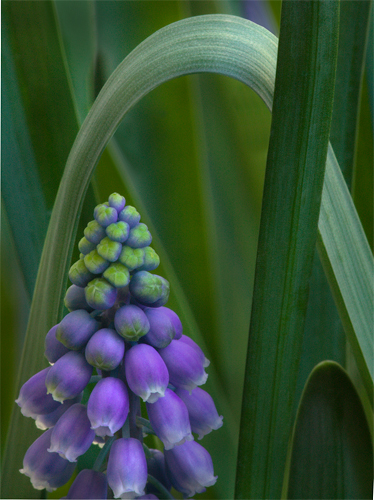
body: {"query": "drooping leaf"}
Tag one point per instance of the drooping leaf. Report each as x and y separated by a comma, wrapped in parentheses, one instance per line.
(331, 452)
(348, 263)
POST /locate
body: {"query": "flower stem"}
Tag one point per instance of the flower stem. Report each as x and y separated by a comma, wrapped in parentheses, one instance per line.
(161, 488)
(142, 422)
(95, 378)
(103, 453)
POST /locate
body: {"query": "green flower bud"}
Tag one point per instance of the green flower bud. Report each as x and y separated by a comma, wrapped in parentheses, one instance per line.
(118, 231)
(149, 289)
(139, 236)
(116, 201)
(100, 294)
(94, 232)
(79, 274)
(151, 260)
(118, 275)
(132, 258)
(109, 250)
(95, 263)
(130, 215)
(105, 215)
(85, 246)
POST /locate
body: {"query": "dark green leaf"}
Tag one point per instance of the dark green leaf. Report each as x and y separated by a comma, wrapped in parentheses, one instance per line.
(292, 195)
(331, 453)
(322, 314)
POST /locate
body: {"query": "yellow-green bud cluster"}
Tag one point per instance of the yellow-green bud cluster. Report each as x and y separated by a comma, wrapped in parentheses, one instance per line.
(115, 247)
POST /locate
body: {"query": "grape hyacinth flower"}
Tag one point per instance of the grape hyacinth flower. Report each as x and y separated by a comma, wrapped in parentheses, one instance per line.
(46, 470)
(54, 350)
(68, 376)
(146, 373)
(201, 410)
(48, 420)
(118, 325)
(33, 398)
(108, 406)
(190, 468)
(72, 435)
(89, 484)
(164, 327)
(185, 366)
(127, 468)
(169, 419)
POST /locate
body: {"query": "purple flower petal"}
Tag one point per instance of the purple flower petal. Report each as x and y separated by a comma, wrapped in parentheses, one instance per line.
(89, 484)
(184, 364)
(46, 470)
(105, 349)
(201, 410)
(146, 372)
(72, 435)
(190, 468)
(108, 406)
(68, 376)
(33, 398)
(127, 468)
(169, 419)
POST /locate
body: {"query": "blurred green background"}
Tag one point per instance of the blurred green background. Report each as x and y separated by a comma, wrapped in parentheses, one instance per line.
(190, 156)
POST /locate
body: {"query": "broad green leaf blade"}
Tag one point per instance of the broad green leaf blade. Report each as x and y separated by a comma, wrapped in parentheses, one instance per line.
(77, 24)
(21, 187)
(294, 176)
(40, 126)
(363, 181)
(348, 264)
(354, 27)
(46, 94)
(322, 314)
(331, 453)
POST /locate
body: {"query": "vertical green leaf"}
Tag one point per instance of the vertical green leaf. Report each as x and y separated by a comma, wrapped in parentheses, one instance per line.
(41, 123)
(322, 314)
(331, 455)
(292, 194)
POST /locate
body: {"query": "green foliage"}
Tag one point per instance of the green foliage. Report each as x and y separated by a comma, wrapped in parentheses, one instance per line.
(190, 155)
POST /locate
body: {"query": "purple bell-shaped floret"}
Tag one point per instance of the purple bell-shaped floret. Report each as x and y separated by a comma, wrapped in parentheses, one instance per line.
(76, 299)
(187, 340)
(201, 410)
(46, 470)
(131, 322)
(108, 406)
(54, 350)
(127, 468)
(89, 484)
(169, 419)
(72, 435)
(105, 349)
(33, 398)
(163, 322)
(68, 376)
(190, 468)
(186, 369)
(76, 329)
(49, 420)
(146, 372)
